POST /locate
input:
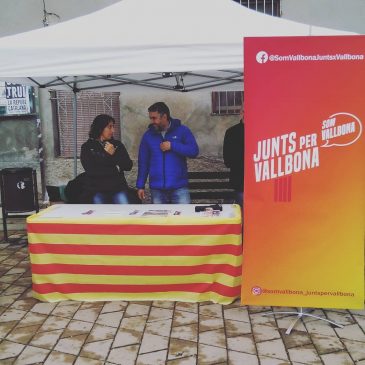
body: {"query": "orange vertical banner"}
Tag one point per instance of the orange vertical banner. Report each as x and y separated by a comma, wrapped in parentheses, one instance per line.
(304, 207)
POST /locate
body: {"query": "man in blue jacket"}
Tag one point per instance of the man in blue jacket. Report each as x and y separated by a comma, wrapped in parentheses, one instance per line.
(162, 156)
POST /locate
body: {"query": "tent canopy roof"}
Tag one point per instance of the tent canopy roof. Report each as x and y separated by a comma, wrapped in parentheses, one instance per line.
(145, 36)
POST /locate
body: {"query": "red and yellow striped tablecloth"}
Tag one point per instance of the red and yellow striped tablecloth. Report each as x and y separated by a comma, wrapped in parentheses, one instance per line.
(178, 258)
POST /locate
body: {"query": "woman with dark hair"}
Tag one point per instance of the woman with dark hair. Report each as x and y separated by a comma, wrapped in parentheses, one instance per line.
(104, 160)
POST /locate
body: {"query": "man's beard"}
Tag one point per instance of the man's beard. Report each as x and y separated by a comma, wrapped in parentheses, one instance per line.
(158, 128)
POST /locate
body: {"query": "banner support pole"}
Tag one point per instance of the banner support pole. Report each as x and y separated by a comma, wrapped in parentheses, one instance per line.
(299, 315)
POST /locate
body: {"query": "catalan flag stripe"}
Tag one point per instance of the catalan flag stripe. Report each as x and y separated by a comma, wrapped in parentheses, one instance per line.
(43, 248)
(87, 269)
(220, 278)
(133, 229)
(110, 288)
(169, 295)
(135, 260)
(135, 240)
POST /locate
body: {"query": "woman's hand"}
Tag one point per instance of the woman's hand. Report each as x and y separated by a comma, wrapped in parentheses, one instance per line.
(109, 148)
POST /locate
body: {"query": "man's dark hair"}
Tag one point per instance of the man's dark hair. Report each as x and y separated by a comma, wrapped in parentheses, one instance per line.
(161, 108)
(98, 125)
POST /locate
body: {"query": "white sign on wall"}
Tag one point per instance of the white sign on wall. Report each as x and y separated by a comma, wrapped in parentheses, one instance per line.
(16, 99)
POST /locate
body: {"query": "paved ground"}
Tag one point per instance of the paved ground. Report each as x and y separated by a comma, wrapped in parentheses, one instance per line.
(173, 333)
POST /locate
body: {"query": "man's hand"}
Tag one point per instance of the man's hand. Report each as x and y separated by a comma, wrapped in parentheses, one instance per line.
(141, 194)
(109, 148)
(165, 146)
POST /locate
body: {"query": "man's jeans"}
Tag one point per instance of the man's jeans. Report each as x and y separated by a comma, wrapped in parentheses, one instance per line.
(173, 196)
(109, 198)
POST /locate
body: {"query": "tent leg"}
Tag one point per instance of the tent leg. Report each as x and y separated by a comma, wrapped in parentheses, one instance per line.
(75, 131)
(5, 227)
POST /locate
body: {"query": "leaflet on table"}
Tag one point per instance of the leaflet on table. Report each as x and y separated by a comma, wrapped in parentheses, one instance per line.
(167, 213)
(156, 213)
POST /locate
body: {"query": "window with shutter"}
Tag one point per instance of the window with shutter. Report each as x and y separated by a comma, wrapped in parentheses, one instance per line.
(226, 102)
(89, 105)
(270, 7)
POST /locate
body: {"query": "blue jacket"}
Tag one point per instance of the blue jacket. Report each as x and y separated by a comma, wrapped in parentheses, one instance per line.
(166, 170)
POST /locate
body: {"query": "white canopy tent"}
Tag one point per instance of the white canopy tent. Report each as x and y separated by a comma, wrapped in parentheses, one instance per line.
(183, 43)
(178, 45)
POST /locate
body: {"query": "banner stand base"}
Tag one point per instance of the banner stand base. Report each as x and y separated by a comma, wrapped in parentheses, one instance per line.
(299, 315)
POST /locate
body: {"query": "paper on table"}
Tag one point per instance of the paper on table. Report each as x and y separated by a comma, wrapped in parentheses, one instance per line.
(157, 212)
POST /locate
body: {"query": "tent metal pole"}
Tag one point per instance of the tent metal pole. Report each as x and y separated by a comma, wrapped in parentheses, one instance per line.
(74, 106)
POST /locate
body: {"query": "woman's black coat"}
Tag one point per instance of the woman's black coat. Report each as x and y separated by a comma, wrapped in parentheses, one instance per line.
(104, 172)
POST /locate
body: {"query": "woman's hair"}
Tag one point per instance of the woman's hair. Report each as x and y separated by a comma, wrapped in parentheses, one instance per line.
(98, 125)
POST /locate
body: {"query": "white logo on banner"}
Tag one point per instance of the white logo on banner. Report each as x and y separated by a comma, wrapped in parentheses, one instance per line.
(256, 290)
(20, 185)
(333, 128)
(262, 57)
